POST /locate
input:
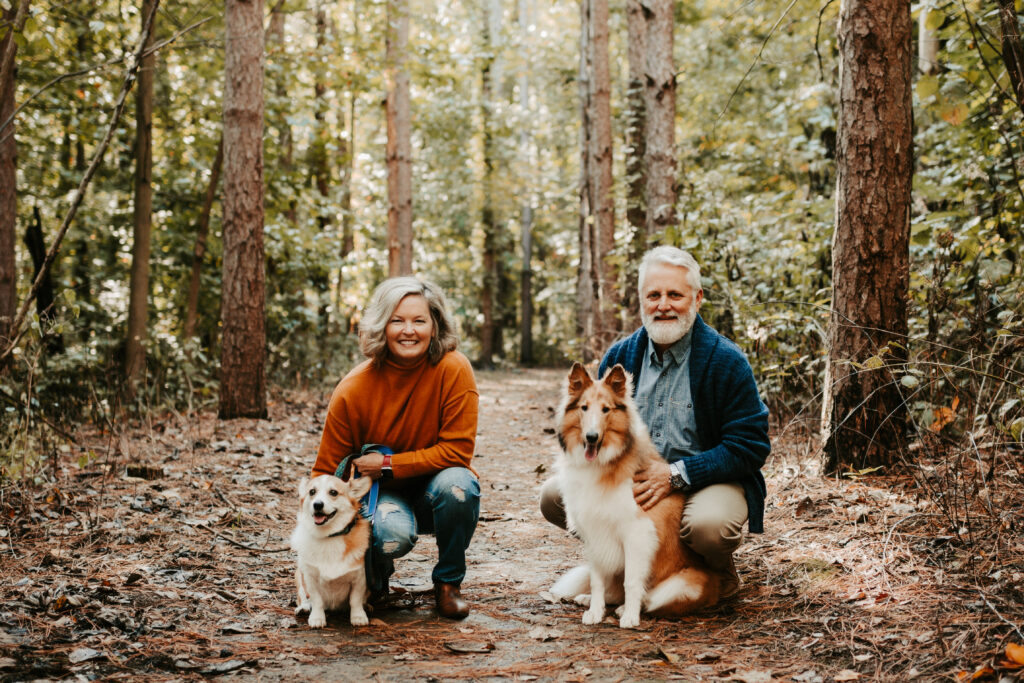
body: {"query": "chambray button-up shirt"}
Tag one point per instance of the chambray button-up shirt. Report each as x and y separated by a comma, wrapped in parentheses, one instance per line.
(665, 404)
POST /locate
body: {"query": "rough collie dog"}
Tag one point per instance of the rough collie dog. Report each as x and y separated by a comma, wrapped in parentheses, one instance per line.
(331, 539)
(635, 557)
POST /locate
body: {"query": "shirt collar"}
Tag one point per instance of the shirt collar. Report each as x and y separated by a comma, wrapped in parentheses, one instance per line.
(679, 351)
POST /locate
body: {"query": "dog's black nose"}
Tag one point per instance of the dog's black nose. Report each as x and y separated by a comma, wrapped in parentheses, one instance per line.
(592, 437)
(318, 505)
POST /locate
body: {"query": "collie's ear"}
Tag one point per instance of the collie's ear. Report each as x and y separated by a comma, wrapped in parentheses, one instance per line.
(303, 487)
(359, 486)
(579, 380)
(617, 380)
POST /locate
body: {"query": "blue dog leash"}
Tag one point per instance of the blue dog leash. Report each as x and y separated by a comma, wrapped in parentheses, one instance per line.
(369, 501)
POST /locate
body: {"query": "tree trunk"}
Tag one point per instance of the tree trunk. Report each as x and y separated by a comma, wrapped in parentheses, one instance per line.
(45, 298)
(585, 276)
(279, 118)
(399, 145)
(636, 169)
(8, 192)
(603, 207)
(490, 306)
(138, 288)
(527, 158)
(243, 356)
(202, 232)
(864, 413)
(660, 108)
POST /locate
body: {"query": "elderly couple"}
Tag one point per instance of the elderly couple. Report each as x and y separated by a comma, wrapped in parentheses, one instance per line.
(416, 395)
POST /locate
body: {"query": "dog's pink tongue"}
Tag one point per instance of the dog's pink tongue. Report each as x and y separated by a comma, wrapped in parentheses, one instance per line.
(591, 452)
(319, 519)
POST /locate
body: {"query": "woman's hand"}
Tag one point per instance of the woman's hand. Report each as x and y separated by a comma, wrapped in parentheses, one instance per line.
(369, 465)
(652, 484)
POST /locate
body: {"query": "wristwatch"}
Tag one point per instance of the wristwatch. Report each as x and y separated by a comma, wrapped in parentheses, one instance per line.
(678, 480)
(385, 468)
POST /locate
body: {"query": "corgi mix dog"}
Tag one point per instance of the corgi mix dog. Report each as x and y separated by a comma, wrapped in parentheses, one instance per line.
(635, 557)
(331, 539)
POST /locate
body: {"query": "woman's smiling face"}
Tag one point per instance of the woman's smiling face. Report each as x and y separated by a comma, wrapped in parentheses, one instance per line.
(409, 330)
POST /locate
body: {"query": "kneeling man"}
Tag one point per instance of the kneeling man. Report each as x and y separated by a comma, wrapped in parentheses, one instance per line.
(696, 393)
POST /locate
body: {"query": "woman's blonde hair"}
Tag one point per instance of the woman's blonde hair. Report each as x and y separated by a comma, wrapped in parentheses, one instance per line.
(372, 339)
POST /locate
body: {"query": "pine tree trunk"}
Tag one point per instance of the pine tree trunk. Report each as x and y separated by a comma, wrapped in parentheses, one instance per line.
(138, 288)
(603, 207)
(279, 117)
(585, 290)
(399, 145)
(8, 192)
(243, 354)
(636, 169)
(863, 413)
(199, 252)
(660, 107)
(527, 157)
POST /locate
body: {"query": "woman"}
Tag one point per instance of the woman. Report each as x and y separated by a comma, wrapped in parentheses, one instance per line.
(415, 395)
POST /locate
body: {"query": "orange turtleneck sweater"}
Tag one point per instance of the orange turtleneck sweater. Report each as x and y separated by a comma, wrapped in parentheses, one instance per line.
(426, 414)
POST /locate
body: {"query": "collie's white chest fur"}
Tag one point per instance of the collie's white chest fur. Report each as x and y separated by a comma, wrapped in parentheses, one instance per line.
(608, 519)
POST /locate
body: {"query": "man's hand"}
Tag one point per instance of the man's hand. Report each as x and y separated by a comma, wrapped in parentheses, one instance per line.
(652, 484)
(369, 465)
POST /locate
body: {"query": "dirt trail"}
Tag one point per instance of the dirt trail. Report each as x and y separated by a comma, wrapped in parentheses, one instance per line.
(171, 573)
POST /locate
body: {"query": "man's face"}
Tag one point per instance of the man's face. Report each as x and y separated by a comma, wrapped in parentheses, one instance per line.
(668, 304)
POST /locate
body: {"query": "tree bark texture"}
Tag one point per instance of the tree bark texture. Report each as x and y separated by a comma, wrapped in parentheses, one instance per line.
(399, 144)
(527, 157)
(45, 298)
(279, 117)
(8, 191)
(603, 206)
(660, 108)
(586, 289)
(202, 232)
(636, 144)
(864, 413)
(489, 306)
(138, 288)
(243, 356)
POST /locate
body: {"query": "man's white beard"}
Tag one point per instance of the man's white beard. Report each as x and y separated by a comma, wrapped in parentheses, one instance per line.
(668, 331)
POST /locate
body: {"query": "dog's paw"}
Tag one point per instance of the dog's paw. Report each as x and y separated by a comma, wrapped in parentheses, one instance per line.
(629, 620)
(358, 618)
(592, 616)
(302, 608)
(583, 599)
(317, 619)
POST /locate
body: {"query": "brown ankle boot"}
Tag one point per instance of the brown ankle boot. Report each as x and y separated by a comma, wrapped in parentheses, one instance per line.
(449, 601)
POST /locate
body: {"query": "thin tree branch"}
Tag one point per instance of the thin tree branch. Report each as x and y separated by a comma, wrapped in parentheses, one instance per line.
(754, 63)
(76, 201)
(95, 67)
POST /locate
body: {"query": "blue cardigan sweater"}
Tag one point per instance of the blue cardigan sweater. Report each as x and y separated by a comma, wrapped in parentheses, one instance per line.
(732, 421)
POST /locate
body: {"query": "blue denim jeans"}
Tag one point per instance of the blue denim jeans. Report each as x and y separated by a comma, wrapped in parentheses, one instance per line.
(447, 504)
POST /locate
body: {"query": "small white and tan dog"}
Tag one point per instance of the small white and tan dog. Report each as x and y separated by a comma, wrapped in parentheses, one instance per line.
(331, 539)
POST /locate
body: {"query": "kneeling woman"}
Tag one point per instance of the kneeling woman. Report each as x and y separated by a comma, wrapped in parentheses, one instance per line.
(416, 396)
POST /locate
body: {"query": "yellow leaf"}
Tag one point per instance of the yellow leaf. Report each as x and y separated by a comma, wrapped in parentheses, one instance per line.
(874, 363)
(1015, 653)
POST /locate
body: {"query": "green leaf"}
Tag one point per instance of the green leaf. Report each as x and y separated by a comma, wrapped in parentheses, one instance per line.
(874, 363)
(927, 86)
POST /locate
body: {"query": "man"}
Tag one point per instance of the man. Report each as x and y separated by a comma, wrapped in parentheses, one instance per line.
(696, 393)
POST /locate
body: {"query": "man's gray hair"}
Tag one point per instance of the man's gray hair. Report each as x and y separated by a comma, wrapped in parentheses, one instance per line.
(372, 339)
(671, 256)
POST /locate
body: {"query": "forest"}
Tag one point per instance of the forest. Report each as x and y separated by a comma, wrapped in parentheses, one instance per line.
(197, 199)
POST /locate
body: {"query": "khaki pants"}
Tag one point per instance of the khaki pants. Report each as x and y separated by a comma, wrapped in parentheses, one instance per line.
(712, 523)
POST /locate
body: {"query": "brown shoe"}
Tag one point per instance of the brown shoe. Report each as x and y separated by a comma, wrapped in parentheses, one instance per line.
(731, 582)
(449, 601)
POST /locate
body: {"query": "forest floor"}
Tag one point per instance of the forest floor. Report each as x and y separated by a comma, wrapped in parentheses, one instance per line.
(161, 554)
